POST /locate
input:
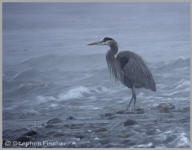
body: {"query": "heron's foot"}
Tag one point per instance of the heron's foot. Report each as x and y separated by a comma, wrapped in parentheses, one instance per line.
(125, 112)
(132, 111)
(140, 110)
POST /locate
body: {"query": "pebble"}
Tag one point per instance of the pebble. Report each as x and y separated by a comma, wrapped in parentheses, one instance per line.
(128, 142)
(23, 139)
(108, 116)
(54, 120)
(165, 107)
(79, 136)
(101, 130)
(70, 118)
(49, 126)
(30, 133)
(59, 135)
(140, 111)
(130, 122)
(124, 112)
(124, 135)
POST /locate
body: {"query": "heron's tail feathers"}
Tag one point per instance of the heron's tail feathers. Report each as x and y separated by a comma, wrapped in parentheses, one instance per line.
(153, 85)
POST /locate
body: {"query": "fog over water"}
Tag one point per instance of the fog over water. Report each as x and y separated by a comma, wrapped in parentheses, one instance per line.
(49, 71)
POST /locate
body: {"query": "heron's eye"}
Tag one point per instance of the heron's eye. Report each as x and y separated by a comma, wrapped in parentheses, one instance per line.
(107, 39)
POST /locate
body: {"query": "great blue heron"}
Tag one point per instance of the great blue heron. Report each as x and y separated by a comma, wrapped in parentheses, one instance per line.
(127, 67)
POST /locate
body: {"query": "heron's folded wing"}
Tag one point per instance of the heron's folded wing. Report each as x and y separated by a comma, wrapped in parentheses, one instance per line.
(136, 71)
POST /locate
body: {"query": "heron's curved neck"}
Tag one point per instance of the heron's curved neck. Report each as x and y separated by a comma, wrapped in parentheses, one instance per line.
(112, 62)
(113, 49)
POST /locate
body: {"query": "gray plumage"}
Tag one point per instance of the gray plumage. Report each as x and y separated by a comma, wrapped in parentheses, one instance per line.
(128, 67)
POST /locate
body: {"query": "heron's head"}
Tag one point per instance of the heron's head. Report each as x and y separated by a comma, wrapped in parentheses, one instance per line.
(106, 41)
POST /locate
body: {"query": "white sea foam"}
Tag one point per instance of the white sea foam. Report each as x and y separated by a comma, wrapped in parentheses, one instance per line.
(144, 145)
(183, 83)
(74, 93)
(182, 140)
(43, 99)
(54, 105)
(82, 91)
(32, 112)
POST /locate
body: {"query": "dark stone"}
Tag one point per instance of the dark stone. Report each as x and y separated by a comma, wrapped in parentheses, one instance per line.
(186, 109)
(140, 111)
(105, 141)
(151, 131)
(4, 143)
(66, 126)
(59, 135)
(120, 112)
(75, 126)
(124, 112)
(101, 130)
(108, 116)
(130, 122)
(112, 117)
(30, 133)
(165, 107)
(49, 126)
(70, 118)
(23, 139)
(21, 130)
(79, 136)
(128, 142)
(124, 135)
(7, 131)
(54, 120)
(164, 110)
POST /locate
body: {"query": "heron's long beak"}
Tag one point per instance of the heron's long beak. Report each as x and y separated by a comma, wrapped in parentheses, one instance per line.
(96, 43)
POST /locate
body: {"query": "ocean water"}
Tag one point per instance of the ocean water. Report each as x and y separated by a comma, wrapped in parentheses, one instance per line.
(50, 71)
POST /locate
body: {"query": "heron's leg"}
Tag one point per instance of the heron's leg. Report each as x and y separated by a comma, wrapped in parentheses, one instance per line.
(134, 96)
(130, 103)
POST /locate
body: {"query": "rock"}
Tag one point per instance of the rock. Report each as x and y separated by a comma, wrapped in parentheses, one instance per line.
(79, 136)
(23, 139)
(165, 108)
(7, 131)
(4, 145)
(124, 112)
(140, 111)
(150, 131)
(27, 136)
(49, 126)
(75, 126)
(30, 133)
(22, 130)
(128, 142)
(59, 135)
(124, 135)
(108, 114)
(186, 109)
(70, 118)
(101, 130)
(130, 122)
(54, 121)
(104, 141)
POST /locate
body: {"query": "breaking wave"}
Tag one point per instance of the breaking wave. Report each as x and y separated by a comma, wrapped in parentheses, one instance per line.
(75, 93)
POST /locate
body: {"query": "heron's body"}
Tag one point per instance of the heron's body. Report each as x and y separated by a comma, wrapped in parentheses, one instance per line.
(128, 67)
(135, 72)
